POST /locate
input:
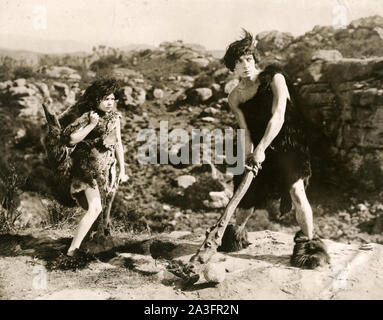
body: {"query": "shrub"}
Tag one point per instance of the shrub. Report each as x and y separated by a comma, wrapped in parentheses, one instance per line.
(192, 69)
(144, 52)
(5, 72)
(23, 72)
(105, 63)
(83, 71)
(104, 73)
(32, 138)
(172, 194)
(157, 82)
(203, 81)
(198, 192)
(128, 216)
(10, 183)
(60, 215)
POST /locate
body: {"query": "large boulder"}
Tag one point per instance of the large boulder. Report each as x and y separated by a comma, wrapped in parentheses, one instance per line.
(167, 44)
(208, 119)
(6, 84)
(187, 82)
(126, 74)
(158, 93)
(26, 97)
(20, 82)
(327, 55)
(368, 22)
(133, 96)
(61, 88)
(201, 62)
(362, 38)
(218, 199)
(343, 102)
(185, 54)
(185, 181)
(195, 47)
(273, 40)
(60, 72)
(211, 111)
(186, 51)
(31, 106)
(21, 91)
(197, 196)
(201, 94)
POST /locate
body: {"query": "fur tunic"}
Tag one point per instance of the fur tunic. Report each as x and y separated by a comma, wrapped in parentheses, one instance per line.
(287, 157)
(94, 160)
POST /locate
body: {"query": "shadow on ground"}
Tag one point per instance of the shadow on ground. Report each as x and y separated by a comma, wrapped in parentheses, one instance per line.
(104, 248)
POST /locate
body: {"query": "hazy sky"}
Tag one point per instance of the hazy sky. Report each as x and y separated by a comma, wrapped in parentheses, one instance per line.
(212, 23)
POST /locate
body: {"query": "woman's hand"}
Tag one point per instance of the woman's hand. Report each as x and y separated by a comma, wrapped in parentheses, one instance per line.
(258, 156)
(255, 159)
(93, 118)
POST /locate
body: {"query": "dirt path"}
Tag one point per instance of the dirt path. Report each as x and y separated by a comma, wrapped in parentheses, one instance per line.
(262, 271)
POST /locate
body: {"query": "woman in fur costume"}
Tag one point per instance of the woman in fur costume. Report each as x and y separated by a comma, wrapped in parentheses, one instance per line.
(92, 133)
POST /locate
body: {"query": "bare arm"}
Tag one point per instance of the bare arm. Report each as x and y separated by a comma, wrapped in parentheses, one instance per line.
(234, 103)
(280, 95)
(80, 134)
(119, 149)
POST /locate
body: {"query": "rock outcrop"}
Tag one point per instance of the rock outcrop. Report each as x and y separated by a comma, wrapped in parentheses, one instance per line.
(362, 38)
(344, 101)
(60, 72)
(194, 53)
(22, 96)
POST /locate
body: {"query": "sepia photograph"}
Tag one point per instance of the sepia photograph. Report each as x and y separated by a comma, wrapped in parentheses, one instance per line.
(191, 150)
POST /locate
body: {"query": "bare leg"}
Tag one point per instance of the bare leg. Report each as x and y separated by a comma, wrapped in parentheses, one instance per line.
(109, 203)
(302, 206)
(309, 252)
(95, 208)
(242, 216)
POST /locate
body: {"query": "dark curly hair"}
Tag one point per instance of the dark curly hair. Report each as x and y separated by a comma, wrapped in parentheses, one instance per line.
(239, 48)
(96, 92)
(91, 98)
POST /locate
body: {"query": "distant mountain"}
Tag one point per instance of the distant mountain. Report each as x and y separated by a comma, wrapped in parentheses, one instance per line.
(15, 53)
(31, 58)
(217, 53)
(34, 44)
(137, 47)
(38, 45)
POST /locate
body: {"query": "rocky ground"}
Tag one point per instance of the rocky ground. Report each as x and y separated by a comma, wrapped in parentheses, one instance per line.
(261, 271)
